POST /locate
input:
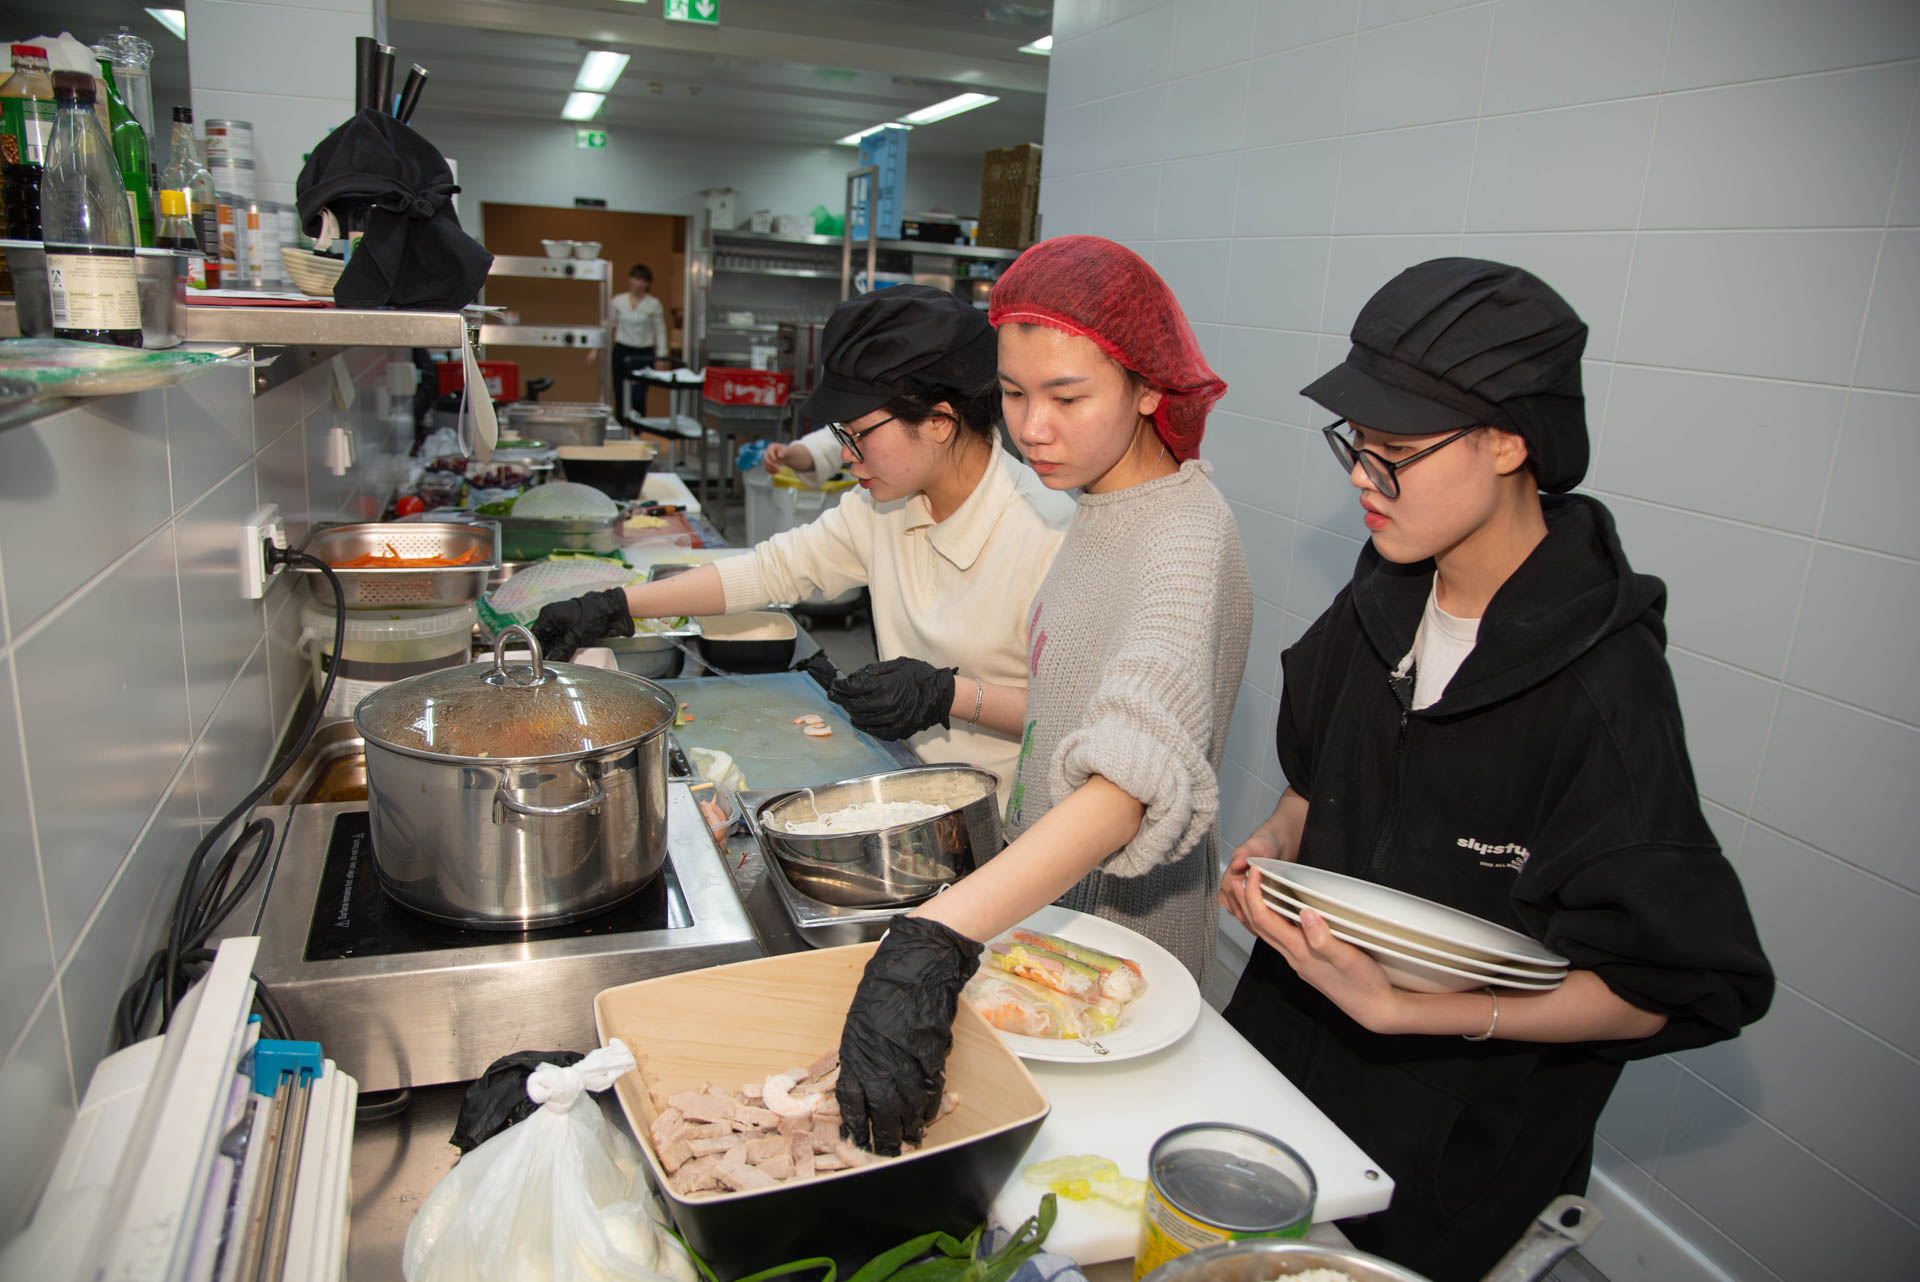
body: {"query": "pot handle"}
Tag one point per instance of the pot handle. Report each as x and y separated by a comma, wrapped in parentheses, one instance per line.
(596, 795)
(1566, 1223)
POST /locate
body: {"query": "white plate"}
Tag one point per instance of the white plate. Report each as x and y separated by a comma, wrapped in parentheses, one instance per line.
(1416, 974)
(1395, 912)
(1158, 1018)
(1276, 894)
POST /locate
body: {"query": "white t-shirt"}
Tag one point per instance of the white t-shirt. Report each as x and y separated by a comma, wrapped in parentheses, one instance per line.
(956, 593)
(641, 324)
(1440, 645)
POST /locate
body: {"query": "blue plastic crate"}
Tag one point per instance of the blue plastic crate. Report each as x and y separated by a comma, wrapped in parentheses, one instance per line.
(886, 151)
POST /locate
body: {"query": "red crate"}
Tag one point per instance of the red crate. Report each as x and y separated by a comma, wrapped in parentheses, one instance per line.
(764, 387)
(501, 377)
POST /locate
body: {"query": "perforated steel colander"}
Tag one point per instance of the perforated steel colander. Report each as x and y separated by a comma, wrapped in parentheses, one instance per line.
(435, 588)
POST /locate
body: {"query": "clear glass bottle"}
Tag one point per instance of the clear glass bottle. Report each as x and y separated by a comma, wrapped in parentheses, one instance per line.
(186, 172)
(85, 224)
(130, 154)
(176, 232)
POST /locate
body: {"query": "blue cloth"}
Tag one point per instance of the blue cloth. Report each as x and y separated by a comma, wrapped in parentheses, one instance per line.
(1042, 1266)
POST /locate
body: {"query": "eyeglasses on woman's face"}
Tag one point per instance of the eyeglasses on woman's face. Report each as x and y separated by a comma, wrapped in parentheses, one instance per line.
(851, 440)
(1383, 472)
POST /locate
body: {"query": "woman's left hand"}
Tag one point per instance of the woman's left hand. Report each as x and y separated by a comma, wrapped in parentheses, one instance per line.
(1345, 975)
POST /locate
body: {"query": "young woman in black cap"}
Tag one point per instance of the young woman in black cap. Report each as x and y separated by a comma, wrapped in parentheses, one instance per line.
(1484, 717)
(950, 534)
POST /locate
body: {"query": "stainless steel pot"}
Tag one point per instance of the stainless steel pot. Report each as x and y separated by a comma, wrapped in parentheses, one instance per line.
(516, 797)
(1566, 1223)
(894, 865)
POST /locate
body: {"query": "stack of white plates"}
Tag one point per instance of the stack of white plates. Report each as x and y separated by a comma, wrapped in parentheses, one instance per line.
(1423, 946)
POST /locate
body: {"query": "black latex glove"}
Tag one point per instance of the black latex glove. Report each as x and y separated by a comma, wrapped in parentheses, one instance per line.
(893, 1050)
(820, 668)
(565, 626)
(498, 1098)
(896, 698)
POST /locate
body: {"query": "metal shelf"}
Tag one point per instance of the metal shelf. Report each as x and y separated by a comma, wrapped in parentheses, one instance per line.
(580, 336)
(886, 246)
(768, 238)
(798, 273)
(527, 267)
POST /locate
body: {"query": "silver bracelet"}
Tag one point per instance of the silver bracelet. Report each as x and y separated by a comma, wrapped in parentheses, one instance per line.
(979, 698)
(1469, 1037)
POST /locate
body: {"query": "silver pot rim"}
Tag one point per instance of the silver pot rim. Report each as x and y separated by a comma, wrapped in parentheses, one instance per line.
(952, 768)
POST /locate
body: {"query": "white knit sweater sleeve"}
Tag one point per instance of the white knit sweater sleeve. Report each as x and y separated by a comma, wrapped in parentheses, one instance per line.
(1150, 722)
(823, 455)
(829, 555)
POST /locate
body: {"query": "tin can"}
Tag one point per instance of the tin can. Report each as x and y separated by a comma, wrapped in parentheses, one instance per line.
(231, 231)
(229, 140)
(255, 241)
(1214, 1182)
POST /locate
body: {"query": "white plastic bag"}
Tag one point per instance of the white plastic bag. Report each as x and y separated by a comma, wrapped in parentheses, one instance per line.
(556, 1198)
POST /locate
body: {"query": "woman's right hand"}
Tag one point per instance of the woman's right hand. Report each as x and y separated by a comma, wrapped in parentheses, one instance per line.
(793, 456)
(565, 626)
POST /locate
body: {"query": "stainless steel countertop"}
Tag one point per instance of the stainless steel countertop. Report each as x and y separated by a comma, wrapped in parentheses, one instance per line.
(317, 326)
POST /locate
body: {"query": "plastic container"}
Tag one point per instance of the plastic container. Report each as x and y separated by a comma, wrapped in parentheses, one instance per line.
(774, 507)
(381, 647)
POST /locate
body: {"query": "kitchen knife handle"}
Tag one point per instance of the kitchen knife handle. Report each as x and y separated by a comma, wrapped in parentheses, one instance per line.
(366, 52)
(383, 80)
(410, 93)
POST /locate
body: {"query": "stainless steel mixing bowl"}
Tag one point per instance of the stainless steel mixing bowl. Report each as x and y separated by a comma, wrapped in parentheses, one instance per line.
(896, 865)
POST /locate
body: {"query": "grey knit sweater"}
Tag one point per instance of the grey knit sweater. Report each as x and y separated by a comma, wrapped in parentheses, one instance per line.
(1139, 636)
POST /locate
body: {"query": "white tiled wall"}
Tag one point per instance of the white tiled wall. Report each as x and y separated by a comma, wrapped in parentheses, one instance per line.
(140, 693)
(1729, 192)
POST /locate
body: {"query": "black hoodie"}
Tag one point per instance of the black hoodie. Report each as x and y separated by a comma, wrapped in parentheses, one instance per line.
(1548, 790)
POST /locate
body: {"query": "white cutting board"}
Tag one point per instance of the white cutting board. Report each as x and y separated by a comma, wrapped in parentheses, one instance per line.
(1119, 1110)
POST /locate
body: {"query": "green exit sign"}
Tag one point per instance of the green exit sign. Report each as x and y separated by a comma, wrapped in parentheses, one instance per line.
(707, 11)
(590, 139)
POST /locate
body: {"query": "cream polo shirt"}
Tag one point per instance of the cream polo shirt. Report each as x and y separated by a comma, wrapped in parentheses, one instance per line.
(956, 593)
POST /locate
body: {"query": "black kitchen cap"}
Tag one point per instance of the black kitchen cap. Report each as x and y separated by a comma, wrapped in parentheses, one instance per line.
(1462, 342)
(906, 338)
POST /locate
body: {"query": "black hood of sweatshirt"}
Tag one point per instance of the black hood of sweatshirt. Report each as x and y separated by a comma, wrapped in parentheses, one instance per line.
(1572, 592)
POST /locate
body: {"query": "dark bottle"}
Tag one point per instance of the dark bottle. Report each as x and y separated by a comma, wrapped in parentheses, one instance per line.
(86, 225)
(26, 118)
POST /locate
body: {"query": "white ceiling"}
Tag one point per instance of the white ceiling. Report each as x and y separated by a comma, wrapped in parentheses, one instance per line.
(801, 71)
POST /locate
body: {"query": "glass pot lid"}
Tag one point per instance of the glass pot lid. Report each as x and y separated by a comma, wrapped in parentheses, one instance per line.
(513, 711)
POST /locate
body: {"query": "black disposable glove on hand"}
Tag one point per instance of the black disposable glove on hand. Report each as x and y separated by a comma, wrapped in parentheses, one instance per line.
(896, 698)
(893, 1050)
(818, 666)
(565, 626)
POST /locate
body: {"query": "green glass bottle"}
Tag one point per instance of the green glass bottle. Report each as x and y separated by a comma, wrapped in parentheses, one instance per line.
(130, 152)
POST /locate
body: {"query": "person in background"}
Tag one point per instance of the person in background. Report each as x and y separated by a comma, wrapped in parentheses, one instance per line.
(1484, 717)
(950, 535)
(1139, 637)
(639, 332)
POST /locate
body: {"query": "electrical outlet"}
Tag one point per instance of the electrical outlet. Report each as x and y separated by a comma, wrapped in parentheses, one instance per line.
(261, 528)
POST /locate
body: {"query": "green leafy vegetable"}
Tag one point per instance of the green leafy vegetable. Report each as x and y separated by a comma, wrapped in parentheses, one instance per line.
(951, 1259)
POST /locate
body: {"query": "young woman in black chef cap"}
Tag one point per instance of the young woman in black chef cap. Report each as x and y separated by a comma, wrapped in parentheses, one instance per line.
(950, 534)
(1484, 717)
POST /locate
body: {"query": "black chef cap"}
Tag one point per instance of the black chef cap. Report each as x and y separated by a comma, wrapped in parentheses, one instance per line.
(906, 338)
(414, 254)
(1462, 342)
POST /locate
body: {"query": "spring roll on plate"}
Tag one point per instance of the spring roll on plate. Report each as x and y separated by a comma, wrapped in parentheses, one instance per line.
(1119, 978)
(1020, 1006)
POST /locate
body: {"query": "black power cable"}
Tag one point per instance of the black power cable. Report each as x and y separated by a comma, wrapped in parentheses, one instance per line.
(201, 906)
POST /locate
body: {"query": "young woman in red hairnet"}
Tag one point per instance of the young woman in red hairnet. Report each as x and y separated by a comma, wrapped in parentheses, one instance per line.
(1139, 635)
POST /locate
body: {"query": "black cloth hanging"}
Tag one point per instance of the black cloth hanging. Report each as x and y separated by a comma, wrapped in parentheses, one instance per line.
(414, 256)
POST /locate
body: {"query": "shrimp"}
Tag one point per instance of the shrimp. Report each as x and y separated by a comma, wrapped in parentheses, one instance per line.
(779, 1098)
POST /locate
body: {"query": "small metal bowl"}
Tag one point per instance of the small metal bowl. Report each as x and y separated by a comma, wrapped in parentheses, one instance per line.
(160, 273)
(898, 865)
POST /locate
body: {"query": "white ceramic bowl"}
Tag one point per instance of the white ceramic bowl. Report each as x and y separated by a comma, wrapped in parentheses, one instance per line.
(586, 249)
(1397, 914)
(557, 248)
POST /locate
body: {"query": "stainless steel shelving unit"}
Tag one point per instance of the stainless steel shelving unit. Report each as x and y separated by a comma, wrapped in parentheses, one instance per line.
(599, 334)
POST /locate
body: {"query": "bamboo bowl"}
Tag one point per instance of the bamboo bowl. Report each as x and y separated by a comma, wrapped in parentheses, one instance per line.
(738, 1023)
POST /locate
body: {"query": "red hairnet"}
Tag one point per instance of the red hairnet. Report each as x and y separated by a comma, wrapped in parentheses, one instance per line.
(1096, 289)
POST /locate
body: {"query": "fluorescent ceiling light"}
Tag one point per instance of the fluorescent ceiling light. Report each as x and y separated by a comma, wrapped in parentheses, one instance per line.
(853, 140)
(174, 20)
(1042, 46)
(582, 106)
(951, 107)
(599, 69)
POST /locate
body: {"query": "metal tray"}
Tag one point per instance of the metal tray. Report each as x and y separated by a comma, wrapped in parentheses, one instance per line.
(821, 925)
(533, 538)
(440, 589)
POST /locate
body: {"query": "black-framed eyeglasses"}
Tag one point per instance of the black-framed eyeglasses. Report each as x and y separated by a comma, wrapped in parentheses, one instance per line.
(852, 439)
(1384, 473)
